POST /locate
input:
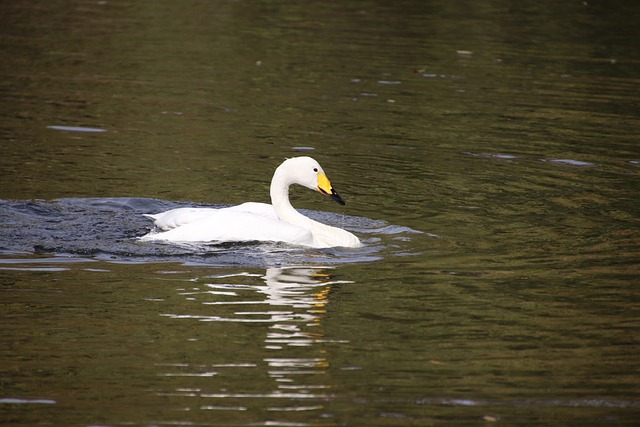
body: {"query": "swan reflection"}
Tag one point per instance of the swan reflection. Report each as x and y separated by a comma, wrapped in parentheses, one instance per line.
(295, 301)
(291, 302)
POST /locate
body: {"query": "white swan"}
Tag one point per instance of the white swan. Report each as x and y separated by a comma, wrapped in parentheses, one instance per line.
(278, 222)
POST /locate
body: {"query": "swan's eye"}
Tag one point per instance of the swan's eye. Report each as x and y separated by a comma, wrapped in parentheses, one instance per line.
(315, 169)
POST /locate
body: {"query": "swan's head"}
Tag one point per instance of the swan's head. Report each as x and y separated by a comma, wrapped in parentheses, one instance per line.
(307, 172)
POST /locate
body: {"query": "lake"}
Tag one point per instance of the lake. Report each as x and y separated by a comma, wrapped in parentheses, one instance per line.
(489, 157)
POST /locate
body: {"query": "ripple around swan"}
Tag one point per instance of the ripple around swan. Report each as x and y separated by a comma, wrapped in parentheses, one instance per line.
(108, 229)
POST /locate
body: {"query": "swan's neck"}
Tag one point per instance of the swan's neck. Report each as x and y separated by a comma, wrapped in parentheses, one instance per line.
(325, 235)
(280, 200)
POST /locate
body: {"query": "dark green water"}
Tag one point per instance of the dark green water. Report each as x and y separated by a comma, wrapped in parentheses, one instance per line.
(507, 133)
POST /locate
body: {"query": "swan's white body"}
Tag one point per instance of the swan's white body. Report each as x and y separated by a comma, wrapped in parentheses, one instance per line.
(278, 222)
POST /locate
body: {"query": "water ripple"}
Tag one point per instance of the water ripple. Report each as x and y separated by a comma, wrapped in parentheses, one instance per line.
(108, 230)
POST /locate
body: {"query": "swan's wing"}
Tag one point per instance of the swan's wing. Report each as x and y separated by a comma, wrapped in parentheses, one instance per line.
(182, 216)
(229, 225)
(262, 209)
(178, 217)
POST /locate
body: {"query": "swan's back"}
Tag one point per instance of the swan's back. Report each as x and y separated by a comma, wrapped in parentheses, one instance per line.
(182, 216)
(227, 225)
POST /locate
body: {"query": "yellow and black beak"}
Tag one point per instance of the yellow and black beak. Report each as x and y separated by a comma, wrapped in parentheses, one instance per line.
(324, 186)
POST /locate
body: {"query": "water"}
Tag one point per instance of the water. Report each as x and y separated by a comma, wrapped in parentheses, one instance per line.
(109, 229)
(488, 155)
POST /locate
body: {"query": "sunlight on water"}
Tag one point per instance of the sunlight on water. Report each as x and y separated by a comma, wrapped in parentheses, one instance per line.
(76, 129)
(10, 400)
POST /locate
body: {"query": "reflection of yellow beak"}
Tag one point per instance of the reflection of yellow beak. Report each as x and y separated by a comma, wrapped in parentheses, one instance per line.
(324, 186)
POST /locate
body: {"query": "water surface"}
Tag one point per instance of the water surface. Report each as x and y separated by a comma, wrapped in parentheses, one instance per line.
(488, 154)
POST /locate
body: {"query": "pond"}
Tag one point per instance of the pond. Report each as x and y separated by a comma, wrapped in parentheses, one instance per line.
(488, 155)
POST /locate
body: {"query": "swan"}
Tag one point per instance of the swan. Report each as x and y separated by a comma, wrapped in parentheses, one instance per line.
(251, 221)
